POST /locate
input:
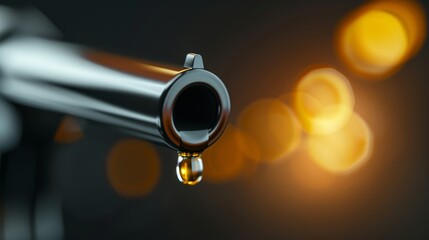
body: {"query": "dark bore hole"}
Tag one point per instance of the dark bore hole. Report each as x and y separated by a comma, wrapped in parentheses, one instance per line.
(196, 108)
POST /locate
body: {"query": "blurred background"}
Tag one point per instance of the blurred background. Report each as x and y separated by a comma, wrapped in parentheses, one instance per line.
(327, 135)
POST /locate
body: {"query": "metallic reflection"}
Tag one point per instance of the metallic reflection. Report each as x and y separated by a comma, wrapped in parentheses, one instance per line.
(137, 67)
(131, 95)
(133, 168)
(7, 20)
(272, 129)
(379, 37)
(345, 150)
(189, 168)
(10, 127)
(323, 101)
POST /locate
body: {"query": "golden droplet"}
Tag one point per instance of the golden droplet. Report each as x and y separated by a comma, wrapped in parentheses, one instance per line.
(189, 168)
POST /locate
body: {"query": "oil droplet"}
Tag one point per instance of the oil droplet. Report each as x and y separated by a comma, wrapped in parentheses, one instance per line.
(189, 168)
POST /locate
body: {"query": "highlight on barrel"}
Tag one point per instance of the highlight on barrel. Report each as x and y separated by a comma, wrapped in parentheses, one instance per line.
(377, 38)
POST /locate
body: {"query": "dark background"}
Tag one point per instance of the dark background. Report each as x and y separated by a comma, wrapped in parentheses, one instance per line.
(259, 49)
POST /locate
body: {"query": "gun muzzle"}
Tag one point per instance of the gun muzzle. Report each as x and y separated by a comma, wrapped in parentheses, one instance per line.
(183, 108)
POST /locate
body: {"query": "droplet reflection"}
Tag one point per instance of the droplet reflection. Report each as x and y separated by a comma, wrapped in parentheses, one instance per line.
(189, 168)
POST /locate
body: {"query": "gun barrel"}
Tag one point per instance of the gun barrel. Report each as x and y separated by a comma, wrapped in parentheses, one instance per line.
(184, 108)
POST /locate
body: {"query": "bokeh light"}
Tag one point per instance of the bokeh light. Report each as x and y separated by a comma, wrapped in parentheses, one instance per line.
(379, 37)
(412, 16)
(68, 131)
(345, 150)
(270, 128)
(306, 174)
(225, 159)
(133, 168)
(323, 100)
(375, 42)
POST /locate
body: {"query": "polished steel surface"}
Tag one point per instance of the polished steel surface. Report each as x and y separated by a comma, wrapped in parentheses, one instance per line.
(137, 97)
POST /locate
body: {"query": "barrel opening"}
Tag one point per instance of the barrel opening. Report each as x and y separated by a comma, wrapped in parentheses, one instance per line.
(196, 108)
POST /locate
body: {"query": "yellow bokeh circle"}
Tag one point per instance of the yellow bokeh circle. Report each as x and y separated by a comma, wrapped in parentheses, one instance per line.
(323, 100)
(225, 159)
(270, 128)
(375, 42)
(376, 39)
(133, 168)
(345, 150)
